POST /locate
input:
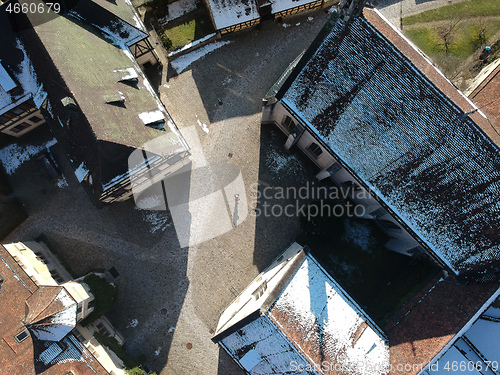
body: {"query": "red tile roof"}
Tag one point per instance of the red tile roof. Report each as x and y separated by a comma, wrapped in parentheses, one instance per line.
(18, 358)
(487, 98)
(430, 320)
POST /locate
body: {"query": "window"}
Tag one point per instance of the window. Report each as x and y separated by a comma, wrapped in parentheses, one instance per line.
(35, 119)
(79, 336)
(315, 149)
(102, 330)
(19, 128)
(351, 185)
(17, 111)
(260, 290)
(379, 212)
(390, 225)
(56, 276)
(288, 123)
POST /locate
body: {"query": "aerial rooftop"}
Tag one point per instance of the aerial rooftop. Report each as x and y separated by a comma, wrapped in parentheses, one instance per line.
(34, 326)
(397, 123)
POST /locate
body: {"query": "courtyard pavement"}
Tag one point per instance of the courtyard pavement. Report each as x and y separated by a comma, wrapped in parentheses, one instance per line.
(170, 298)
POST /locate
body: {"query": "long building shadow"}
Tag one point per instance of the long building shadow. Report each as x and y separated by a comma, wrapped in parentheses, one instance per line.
(141, 245)
(233, 79)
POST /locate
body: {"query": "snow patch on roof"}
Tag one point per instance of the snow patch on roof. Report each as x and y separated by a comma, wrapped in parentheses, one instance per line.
(281, 5)
(81, 172)
(14, 155)
(27, 77)
(178, 9)
(151, 117)
(330, 322)
(233, 12)
(6, 81)
(262, 349)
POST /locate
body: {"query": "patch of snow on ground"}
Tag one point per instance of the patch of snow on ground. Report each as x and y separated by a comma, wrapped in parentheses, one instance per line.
(358, 234)
(151, 202)
(285, 25)
(297, 24)
(157, 351)
(81, 172)
(14, 155)
(203, 126)
(133, 323)
(62, 183)
(178, 9)
(183, 62)
(171, 329)
(310, 18)
(279, 163)
(159, 220)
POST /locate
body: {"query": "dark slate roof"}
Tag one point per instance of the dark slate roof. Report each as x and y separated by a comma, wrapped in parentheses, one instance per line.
(405, 138)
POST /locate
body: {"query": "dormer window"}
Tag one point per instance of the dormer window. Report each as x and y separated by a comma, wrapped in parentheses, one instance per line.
(69, 102)
(126, 75)
(114, 97)
(154, 119)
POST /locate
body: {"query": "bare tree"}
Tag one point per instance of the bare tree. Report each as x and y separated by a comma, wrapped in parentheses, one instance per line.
(447, 34)
(481, 32)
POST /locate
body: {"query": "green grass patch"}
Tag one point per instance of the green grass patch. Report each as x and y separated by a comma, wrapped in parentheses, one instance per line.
(352, 250)
(466, 9)
(464, 41)
(189, 31)
(104, 296)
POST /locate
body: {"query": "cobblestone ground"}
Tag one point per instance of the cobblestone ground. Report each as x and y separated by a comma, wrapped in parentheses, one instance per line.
(170, 298)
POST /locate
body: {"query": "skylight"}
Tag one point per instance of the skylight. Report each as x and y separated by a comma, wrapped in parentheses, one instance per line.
(21, 336)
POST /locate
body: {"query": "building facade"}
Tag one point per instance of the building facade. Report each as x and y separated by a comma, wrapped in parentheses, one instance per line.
(377, 117)
(41, 308)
